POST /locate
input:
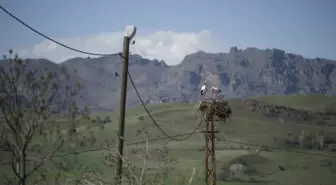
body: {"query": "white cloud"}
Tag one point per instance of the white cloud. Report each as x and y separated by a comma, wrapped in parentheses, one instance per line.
(162, 45)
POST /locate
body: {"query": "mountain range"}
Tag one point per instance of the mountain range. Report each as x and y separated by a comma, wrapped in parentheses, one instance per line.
(239, 73)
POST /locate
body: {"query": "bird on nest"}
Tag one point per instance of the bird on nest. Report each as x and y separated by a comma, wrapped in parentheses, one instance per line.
(204, 88)
(216, 90)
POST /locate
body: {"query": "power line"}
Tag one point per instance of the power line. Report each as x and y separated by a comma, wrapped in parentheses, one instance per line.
(50, 39)
(188, 135)
(103, 148)
(153, 120)
(276, 148)
(179, 135)
(194, 131)
(97, 54)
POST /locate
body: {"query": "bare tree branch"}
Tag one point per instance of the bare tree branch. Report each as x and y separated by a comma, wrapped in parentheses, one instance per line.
(144, 161)
(29, 96)
(36, 167)
(192, 176)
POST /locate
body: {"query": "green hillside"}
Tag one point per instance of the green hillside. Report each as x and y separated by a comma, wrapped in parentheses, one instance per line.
(246, 127)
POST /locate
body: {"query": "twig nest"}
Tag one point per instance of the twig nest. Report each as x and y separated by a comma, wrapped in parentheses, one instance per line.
(215, 110)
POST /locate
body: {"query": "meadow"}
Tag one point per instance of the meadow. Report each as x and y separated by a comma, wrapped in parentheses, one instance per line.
(299, 166)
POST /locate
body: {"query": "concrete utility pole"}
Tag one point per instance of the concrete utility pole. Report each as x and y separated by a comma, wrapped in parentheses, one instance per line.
(129, 34)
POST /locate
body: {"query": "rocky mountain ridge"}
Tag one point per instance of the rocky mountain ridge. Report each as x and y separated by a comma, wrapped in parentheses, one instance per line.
(240, 73)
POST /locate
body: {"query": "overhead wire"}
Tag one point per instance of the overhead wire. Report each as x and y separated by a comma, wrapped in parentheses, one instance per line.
(153, 120)
(51, 39)
(102, 148)
(188, 135)
(97, 54)
(179, 135)
(275, 148)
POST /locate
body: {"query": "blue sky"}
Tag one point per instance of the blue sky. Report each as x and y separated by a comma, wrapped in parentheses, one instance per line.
(306, 27)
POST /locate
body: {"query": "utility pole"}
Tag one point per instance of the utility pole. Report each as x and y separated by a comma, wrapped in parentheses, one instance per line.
(129, 34)
(210, 159)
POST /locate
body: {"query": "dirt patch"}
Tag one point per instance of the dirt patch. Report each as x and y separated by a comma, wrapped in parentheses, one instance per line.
(249, 159)
(240, 166)
(286, 113)
(246, 161)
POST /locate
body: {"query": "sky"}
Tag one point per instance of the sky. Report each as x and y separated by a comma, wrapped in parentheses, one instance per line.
(169, 29)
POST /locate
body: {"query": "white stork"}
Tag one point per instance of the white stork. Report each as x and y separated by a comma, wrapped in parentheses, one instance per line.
(216, 90)
(204, 88)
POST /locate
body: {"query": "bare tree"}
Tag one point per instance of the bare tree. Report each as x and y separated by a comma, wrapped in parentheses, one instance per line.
(30, 102)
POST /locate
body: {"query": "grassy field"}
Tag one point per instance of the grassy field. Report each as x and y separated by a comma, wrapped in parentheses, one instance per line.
(247, 126)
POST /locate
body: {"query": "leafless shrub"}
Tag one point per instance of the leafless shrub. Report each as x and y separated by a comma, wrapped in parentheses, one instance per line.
(30, 101)
(143, 165)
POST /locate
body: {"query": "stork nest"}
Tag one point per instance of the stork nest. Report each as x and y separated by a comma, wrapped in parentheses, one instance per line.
(215, 110)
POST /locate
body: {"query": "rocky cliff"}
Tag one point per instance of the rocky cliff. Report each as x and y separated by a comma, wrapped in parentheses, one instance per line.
(240, 73)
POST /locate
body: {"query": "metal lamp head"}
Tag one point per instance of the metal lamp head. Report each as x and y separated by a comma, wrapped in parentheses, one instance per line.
(130, 31)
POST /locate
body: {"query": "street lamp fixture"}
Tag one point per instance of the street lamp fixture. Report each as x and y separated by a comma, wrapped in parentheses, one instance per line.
(130, 31)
